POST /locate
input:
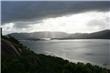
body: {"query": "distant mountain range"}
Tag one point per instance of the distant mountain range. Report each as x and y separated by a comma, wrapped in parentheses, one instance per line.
(39, 35)
(105, 34)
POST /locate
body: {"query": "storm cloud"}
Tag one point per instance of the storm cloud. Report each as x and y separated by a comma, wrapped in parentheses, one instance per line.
(63, 16)
(13, 11)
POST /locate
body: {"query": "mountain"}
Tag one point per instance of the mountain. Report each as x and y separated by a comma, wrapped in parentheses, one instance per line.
(39, 35)
(16, 58)
(105, 34)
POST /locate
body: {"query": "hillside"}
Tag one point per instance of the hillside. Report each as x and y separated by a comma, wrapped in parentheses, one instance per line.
(17, 58)
(105, 34)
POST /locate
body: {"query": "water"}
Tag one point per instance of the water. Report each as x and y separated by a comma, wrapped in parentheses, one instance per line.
(92, 51)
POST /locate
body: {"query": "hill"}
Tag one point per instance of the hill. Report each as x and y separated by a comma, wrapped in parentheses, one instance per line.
(39, 35)
(17, 58)
(105, 34)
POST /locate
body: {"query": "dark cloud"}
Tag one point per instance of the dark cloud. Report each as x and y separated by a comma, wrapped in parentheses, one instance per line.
(28, 10)
(23, 24)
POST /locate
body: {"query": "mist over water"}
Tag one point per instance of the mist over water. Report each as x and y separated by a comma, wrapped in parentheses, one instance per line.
(92, 51)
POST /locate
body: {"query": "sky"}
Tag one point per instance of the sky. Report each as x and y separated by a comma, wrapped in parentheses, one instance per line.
(60, 16)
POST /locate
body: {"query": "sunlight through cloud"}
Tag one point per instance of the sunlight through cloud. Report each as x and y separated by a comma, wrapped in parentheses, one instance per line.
(83, 22)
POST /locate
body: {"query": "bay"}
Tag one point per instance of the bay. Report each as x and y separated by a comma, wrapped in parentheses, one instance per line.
(94, 51)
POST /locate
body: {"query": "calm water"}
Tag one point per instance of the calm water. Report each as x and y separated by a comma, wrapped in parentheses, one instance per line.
(87, 51)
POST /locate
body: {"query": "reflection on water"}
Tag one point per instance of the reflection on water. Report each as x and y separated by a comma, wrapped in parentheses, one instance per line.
(92, 51)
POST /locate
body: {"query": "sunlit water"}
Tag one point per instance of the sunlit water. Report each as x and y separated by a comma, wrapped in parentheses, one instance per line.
(87, 51)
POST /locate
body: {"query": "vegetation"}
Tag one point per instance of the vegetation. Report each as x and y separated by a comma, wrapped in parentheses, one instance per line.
(30, 62)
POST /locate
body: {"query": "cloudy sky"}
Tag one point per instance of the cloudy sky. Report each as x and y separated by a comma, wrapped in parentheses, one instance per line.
(62, 16)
